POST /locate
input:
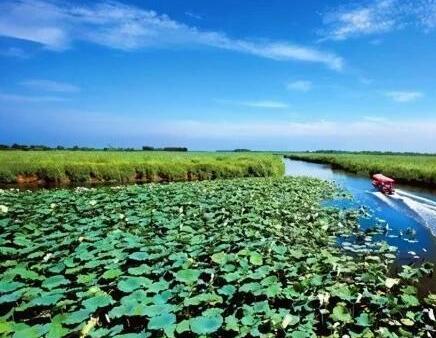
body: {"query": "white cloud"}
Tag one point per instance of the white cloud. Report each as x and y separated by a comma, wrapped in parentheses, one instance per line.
(378, 16)
(267, 104)
(29, 99)
(56, 25)
(300, 85)
(404, 96)
(36, 21)
(426, 13)
(51, 86)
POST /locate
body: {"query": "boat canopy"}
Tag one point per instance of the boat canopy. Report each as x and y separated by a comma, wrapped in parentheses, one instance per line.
(383, 178)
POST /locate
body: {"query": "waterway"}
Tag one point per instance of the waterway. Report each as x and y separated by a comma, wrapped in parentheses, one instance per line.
(409, 215)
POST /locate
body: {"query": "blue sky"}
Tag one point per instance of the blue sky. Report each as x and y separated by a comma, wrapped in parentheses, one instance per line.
(260, 74)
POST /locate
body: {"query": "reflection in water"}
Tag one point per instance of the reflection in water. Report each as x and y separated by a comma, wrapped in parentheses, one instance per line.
(410, 214)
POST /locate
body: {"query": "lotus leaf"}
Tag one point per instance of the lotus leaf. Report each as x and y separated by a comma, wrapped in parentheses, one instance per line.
(162, 321)
(206, 325)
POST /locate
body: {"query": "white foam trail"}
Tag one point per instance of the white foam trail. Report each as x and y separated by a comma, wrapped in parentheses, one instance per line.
(384, 198)
(423, 208)
(416, 197)
(426, 212)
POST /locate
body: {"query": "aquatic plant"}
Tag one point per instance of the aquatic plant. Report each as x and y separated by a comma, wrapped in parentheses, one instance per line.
(234, 258)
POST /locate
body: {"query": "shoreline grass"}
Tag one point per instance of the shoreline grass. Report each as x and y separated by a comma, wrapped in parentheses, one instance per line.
(411, 169)
(73, 167)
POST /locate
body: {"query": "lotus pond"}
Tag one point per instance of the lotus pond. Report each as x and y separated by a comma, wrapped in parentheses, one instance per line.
(235, 258)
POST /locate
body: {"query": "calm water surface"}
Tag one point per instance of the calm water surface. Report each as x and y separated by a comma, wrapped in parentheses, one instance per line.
(410, 213)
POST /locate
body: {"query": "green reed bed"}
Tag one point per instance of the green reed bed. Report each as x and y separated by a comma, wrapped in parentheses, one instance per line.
(105, 166)
(225, 258)
(418, 169)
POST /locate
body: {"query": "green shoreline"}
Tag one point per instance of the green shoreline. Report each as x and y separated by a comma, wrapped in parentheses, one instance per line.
(63, 168)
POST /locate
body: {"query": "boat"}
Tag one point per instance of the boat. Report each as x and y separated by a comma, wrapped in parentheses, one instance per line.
(383, 183)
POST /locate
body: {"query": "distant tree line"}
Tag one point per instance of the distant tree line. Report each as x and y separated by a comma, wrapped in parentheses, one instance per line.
(368, 152)
(16, 146)
(234, 151)
(34, 147)
(148, 148)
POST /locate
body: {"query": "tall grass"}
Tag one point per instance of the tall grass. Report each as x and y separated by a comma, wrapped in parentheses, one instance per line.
(103, 166)
(404, 168)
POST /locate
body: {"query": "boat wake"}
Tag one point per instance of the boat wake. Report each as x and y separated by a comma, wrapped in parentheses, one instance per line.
(427, 202)
(423, 207)
(384, 198)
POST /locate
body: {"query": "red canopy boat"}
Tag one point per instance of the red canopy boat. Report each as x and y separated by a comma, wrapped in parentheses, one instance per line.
(383, 183)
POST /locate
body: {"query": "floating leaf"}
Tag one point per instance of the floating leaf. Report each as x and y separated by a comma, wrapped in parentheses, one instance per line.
(77, 317)
(188, 276)
(163, 321)
(138, 296)
(158, 286)
(54, 282)
(227, 290)
(130, 284)
(56, 330)
(342, 291)
(364, 320)
(11, 297)
(25, 273)
(96, 302)
(183, 326)
(139, 256)
(219, 258)
(46, 299)
(232, 323)
(341, 314)
(25, 331)
(87, 279)
(290, 320)
(112, 274)
(206, 325)
(6, 287)
(154, 310)
(209, 298)
(140, 270)
(410, 300)
(256, 258)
